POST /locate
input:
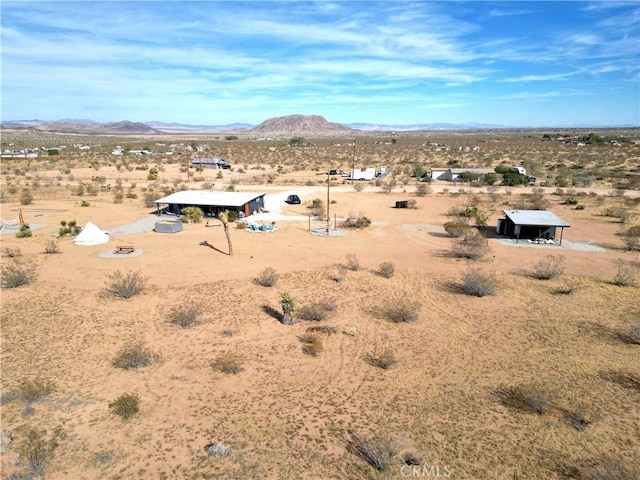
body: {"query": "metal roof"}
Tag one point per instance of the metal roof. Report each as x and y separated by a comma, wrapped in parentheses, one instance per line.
(535, 217)
(209, 198)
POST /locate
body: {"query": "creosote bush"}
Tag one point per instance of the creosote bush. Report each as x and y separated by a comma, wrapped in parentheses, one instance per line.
(359, 221)
(16, 273)
(37, 449)
(387, 269)
(400, 310)
(126, 405)
(10, 252)
(186, 315)
(52, 246)
(383, 360)
(471, 245)
(125, 285)
(479, 283)
(35, 390)
(267, 278)
(134, 355)
(378, 452)
(625, 276)
(549, 267)
(229, 362)
(312, 344)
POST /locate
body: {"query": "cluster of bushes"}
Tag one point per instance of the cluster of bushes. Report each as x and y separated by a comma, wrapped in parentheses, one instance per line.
(359, 221)
(69, 227)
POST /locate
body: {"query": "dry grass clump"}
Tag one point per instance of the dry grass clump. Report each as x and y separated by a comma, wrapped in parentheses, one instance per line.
(35, 390)
(17, 273)
(267, 278)
(326, 329)
(125, 285)
(626, 275)
(126, 405)
(186, 315)
(11, 252)
(352, 262)
(378, 452)
(353, 221)
(37, 449)
(479, 284)
(524, 398)
(228, 362)
(386, 269)
(472, 246)
(312, 344)
(316, 312)
(383, 360)
(566, 288)
(458, 228)
(218, 450)
(134, 355)
(52, 246)
(549, 267)
(400, 310)
(605, 469)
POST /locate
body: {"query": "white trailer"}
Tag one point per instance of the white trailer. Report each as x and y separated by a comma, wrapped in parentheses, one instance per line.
(366, 174)
(520, 170)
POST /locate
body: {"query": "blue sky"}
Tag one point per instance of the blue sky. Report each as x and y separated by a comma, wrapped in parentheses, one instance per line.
(393, 62)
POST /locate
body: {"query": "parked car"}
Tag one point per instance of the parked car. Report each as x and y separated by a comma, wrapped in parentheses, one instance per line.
(293, 200)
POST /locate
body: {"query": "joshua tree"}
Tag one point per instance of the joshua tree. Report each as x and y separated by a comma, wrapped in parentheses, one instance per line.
(288, 307)
(224, 218)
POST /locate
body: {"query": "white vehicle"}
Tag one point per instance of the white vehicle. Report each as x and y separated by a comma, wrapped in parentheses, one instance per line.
(520, 170)
(366, 174)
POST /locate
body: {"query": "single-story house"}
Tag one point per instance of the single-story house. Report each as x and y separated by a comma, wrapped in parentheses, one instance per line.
(531, 225)
(210, 162)
(453, 174)
(212, 203)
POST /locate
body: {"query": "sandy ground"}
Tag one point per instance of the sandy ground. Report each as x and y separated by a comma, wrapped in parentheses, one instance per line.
(286, 414)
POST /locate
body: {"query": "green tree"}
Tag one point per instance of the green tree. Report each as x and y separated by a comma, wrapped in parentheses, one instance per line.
(298, 142)
(192, 214)
(418, 170)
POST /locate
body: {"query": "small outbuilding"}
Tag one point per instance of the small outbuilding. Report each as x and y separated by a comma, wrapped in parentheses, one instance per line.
(531, 225)
(210, 162)
(212, 203)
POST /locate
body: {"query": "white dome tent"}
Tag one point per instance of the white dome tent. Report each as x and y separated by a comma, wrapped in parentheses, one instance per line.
(91, 235)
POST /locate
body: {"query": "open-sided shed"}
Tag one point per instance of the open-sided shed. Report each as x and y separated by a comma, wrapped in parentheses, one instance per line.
(212, 203)
(532, 224)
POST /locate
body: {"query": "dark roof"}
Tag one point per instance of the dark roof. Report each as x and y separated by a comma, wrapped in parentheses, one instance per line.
(535, 218)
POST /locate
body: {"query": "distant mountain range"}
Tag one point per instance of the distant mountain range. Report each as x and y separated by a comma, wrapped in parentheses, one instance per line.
(288, 124)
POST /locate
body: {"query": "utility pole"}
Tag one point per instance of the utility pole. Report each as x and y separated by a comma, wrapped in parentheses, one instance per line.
(328, 202)
(353, 160)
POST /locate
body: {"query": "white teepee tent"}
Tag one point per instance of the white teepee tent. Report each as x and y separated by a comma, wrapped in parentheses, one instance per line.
(91, 235)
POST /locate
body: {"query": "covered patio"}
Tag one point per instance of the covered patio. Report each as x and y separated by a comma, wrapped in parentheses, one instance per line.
(532, 225)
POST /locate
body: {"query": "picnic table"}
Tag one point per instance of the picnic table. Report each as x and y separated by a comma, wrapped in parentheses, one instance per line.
(125, 249)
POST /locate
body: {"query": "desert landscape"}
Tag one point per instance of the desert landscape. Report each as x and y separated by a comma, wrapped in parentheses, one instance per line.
(416, 351)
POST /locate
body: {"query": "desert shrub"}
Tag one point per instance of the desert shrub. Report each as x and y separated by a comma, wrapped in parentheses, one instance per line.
(52, 246)
(412, 203)
(24, 232)
(378, 452)
(134, 355)
(30, 391)
(524, 398)
(326, 329)
(352, 262)
(118, 197)
(317, 207)
(16, 273)
(312, 344)
(399, 310)
(229, 362)
(604, 469)
(288, 304)
(631, 237)
(192, 214)
(11, 252)
(339, 274)
(358, 187)
(472, 246)
(353, 221)
(383, 360)
(217, 450)
(577, 417)
(37, 449)
(267, 278)
(571, 201)
(125, 285)
(549, 267)
(126, 405)
(566, 288)
(229, 332)
(26, 197)
(316, 312)
(422, 189)
(625, 276)
(186, 315)
(479, 283)
(84, 203)
(386, 269)
(458, 228)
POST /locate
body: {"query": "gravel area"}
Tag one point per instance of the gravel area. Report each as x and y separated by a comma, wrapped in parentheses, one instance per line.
(566, 244)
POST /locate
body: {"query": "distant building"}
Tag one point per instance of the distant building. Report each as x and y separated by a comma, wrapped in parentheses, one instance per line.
(210, 162)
